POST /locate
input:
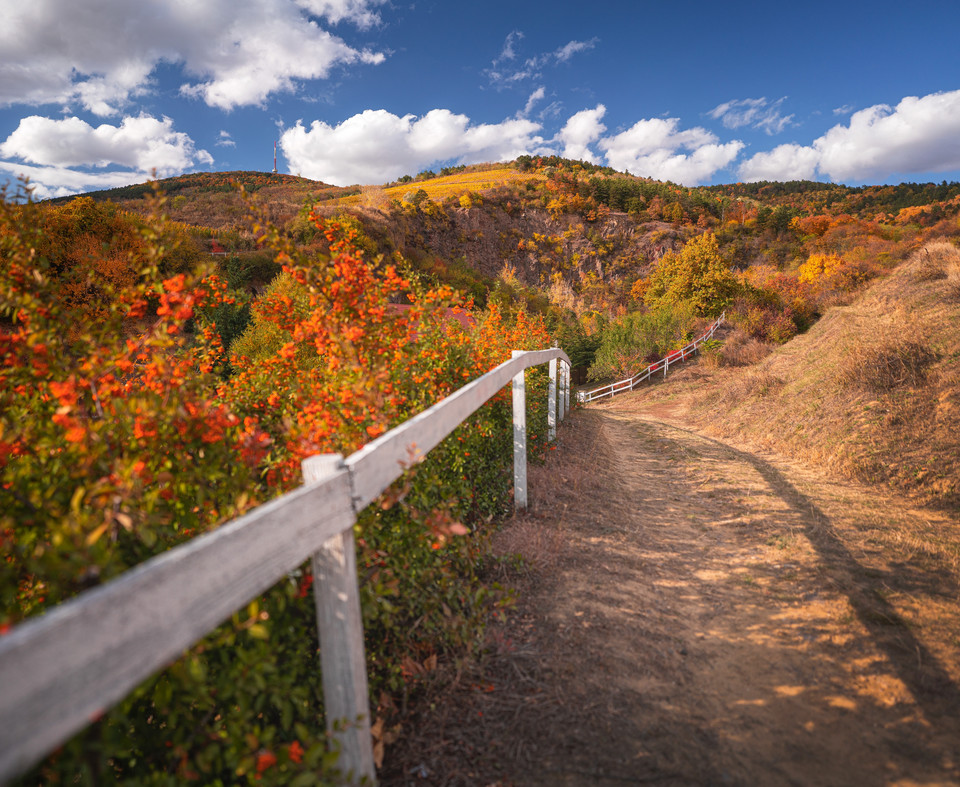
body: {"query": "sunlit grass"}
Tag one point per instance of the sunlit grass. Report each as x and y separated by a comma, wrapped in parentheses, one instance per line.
(446, 186)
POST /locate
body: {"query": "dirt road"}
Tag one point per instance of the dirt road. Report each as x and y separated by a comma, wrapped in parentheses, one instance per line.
(705, 615)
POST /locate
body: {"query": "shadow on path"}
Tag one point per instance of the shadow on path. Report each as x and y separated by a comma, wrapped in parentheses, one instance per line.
(919, 669)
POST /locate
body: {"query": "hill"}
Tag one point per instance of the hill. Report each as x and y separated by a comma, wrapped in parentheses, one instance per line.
(580, 243)
(871, 392)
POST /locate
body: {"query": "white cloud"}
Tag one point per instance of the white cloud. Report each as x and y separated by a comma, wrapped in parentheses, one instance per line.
(580, 131)
(535, 97)
(532, 67)
(58, 154)
(224, 140)
(784, 162)
(918, 136)
(141, 143)
(377, 146)
(568, 50)
(359, 12)
(61, 51)
(48, 182)
(651, 148)
(509, 51)
(754, 112)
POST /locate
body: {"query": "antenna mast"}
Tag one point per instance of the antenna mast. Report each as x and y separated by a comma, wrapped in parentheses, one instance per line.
(274, 157)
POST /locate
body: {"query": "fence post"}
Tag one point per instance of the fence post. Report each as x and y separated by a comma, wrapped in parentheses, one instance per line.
(552, 402)
(565, 406)
(340, 629)
(519, 439)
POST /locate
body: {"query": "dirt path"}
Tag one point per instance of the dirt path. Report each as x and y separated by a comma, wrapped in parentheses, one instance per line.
(704, 615)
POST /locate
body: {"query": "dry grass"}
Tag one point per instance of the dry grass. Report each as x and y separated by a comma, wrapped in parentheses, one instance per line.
(933, 262)
(872, 391)
(750, 384)
(952, 287)
(890, 362)
(741, 349)
(538, 543)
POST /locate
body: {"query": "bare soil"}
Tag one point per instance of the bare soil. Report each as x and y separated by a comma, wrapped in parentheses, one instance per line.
(698, 613)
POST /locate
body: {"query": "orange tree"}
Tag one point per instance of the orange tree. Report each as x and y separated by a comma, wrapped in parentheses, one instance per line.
(121, 437)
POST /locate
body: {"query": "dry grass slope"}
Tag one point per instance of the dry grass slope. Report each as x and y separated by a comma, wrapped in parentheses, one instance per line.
(872, 391)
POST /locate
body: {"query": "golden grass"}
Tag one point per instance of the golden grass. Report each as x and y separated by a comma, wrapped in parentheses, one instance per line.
(933, 262)
(741, 349)
(447, 186)
(889, 362)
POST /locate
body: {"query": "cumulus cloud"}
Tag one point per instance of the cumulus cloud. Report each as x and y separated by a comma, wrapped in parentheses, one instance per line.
(918, 136)
(784, 162)
(377, 146)
(57, 51)
(359, 12)
(582, 130)
(58, 154)
(142, 143)
(753, 112)
(49, 182)
(654, 148)
(224, 140)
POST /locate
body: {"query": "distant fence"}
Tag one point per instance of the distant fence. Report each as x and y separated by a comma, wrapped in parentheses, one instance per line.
(61, 670)
(663, 364)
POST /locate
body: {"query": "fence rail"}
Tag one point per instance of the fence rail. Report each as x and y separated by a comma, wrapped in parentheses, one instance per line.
(61, 670)
(663, 364)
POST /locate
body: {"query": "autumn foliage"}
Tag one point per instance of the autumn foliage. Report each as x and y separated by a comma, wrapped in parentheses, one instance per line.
(127, 427)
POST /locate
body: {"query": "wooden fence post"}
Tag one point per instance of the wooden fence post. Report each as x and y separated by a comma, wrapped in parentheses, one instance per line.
(519, 439)
(552, 402)
(340, 628)
(564, 389)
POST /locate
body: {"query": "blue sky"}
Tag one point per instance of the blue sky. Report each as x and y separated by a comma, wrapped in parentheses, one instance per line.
(98, 93)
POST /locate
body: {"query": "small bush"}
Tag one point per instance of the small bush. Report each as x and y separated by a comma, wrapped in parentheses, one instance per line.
(630, 341)
(893, 362)
(932, 263)
(711, 353)
(754, 382)
(741, 349)
(953, 289)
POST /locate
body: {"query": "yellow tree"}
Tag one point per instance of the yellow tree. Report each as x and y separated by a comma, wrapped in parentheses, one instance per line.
(696, 275)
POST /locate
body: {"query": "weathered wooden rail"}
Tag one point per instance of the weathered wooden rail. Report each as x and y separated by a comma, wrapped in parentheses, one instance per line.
(663, 364)
(61, 670)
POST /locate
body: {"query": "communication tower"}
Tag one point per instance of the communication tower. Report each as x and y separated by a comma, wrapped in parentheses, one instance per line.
(274, 157)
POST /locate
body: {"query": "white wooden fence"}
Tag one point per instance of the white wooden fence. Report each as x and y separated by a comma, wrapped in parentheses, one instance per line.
(663, 364)
(63, 669)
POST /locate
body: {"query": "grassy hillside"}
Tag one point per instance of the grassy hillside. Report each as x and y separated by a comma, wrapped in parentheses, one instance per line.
(872, 391)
